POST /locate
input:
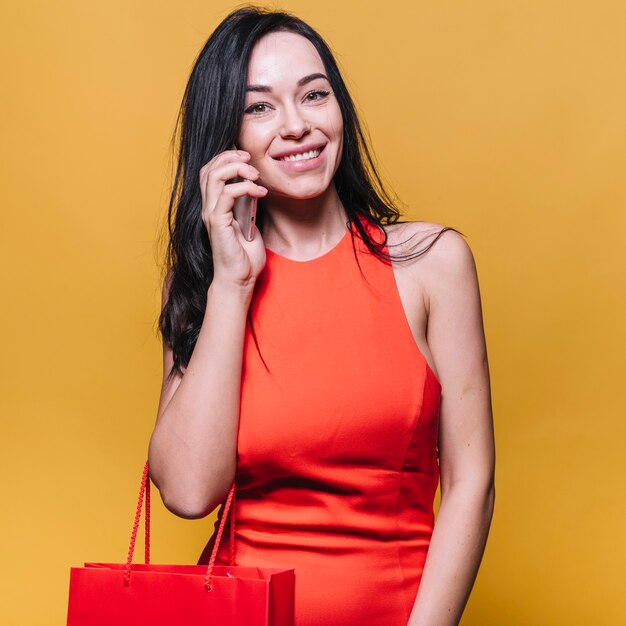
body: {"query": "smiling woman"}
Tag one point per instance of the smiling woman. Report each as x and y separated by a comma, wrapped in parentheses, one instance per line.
(330, 379)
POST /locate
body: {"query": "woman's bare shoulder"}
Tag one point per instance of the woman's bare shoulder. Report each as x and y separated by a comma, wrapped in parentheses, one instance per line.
(448, 258)
(406, 237)
(406, 233)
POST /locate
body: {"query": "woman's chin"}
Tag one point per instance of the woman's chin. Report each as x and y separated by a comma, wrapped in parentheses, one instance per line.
(298, 193)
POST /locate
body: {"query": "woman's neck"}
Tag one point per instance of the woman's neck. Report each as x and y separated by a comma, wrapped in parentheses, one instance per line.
(303, 228)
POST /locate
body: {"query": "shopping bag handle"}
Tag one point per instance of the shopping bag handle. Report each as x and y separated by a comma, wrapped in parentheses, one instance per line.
(144, 495)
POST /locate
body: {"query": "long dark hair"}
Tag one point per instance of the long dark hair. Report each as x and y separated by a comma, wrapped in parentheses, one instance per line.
(207, 124)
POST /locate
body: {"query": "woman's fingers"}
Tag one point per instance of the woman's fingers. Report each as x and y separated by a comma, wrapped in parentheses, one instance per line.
(226, 199)
(236, 190)
(213, 179)
(226, 157)
(221, 160)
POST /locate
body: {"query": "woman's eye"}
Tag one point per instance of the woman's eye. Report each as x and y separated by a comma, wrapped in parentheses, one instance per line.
(259, 107)
(316, 95)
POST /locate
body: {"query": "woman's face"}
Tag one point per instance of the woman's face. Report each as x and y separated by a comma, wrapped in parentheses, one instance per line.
(292, 124)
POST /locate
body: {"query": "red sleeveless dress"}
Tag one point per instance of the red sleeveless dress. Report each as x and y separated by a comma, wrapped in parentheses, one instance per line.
(337, 448)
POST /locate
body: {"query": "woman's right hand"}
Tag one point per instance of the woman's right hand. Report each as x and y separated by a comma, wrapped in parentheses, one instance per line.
(236, 262)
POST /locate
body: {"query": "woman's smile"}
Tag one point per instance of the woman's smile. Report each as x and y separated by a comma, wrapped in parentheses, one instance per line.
(305, 151)
(302, 159)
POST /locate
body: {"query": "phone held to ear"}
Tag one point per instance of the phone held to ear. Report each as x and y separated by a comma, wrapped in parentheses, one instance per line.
(244, 210)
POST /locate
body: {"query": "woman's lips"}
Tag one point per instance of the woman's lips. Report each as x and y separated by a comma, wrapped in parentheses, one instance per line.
(303, 165)
(307, 147)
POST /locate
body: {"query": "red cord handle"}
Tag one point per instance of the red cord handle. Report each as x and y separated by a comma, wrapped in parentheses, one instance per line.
(144, 490)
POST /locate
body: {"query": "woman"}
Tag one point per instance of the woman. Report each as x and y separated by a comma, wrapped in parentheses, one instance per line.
(334, 386)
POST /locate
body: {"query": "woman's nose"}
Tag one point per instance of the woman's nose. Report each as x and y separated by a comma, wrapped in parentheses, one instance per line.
(293, 123)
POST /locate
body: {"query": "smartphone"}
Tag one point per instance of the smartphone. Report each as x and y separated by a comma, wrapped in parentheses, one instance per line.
(244, 210)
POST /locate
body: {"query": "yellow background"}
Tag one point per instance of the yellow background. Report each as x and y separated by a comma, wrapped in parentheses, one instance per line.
(503, 119)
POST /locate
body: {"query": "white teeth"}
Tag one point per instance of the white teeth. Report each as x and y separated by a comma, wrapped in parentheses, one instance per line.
(311, 154)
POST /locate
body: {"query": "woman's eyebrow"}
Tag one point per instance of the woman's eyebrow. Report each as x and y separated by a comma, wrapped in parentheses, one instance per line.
(303, 81)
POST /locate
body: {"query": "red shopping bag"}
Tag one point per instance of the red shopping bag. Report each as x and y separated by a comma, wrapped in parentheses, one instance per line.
(118, 594)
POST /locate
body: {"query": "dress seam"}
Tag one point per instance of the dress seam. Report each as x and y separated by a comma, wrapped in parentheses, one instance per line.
(417, 412)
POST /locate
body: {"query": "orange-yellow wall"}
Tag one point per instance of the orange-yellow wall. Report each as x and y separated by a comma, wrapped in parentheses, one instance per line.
(504, 119)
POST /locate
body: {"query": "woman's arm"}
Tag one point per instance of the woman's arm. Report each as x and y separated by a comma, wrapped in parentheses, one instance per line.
(466, 440)
(192, 452)
(193, 449)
